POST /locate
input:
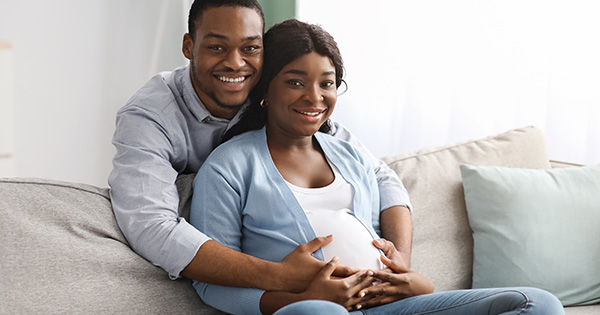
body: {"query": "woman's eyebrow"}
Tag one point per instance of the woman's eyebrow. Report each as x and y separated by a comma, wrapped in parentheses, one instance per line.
(300, 72)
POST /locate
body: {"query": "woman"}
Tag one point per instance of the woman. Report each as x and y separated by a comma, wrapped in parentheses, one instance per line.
(282, 183)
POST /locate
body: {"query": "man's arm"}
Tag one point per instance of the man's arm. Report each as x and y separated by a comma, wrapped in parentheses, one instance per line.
(218, 264)
(145, 200)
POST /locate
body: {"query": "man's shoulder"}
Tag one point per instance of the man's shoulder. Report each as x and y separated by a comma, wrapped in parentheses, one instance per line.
(158, 94)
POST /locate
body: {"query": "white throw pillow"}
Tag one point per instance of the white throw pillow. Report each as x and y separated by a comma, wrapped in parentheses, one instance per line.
(538, 228)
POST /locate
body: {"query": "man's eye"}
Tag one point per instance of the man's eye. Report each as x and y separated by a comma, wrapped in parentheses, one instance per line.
(252, 48)
(215, 48)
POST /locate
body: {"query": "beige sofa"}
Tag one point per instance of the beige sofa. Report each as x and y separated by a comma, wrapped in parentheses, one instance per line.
(62, 251)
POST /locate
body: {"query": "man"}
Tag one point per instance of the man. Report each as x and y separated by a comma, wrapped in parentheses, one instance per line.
(173, 123)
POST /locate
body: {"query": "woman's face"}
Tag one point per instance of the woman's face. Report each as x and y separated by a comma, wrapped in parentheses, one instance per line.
(302, 96)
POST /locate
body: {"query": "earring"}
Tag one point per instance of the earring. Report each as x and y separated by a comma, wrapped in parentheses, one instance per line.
(263, 103)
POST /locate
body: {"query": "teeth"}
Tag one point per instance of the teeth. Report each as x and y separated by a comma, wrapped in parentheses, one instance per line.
(231, 80)
(310, 114)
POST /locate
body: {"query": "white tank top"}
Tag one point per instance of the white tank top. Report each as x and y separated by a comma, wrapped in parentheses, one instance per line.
(329, 211)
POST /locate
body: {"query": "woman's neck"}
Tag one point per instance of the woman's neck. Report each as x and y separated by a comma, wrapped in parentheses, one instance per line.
(300, 160)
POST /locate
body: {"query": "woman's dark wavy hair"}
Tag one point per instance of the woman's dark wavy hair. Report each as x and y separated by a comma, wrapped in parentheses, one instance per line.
(284, 43)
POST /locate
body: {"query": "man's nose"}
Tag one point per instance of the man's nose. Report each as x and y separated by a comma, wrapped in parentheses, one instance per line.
(234, 60)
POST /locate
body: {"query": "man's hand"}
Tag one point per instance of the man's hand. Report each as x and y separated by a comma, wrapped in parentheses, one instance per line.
(296, 271)
(400, 284)
(323, 286)
(343, 291)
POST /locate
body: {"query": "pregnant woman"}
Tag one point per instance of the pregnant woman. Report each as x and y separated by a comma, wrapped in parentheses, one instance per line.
(283, 181)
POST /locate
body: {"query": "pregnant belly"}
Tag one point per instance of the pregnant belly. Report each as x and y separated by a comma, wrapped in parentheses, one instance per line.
(352, 242)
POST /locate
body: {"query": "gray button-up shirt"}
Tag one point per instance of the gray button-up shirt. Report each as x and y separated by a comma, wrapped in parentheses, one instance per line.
(163, 131)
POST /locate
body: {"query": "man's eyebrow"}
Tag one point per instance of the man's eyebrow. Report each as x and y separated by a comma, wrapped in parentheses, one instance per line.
(251, 38)
(218, 36)
(226, 38)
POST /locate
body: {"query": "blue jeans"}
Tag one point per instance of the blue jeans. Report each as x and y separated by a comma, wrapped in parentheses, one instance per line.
(524, 301)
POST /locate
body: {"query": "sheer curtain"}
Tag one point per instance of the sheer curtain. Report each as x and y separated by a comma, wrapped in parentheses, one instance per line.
(426, 73)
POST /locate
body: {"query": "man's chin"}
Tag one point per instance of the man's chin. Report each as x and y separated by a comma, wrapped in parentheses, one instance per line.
(229, 105)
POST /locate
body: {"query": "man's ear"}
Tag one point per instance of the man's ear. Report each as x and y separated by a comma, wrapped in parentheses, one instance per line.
(188, 46)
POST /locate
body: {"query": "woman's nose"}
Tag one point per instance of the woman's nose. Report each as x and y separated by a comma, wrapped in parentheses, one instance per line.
(314, 94)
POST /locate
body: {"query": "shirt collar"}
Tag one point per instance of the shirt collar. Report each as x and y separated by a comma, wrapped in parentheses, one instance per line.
(196, 106)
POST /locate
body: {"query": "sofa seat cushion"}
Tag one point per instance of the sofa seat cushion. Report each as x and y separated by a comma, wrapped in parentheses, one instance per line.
(62, 251)
(443, 245)
(536, 228)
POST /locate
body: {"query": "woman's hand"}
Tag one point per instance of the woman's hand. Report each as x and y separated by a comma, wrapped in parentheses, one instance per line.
(400, 284)
(390, 251)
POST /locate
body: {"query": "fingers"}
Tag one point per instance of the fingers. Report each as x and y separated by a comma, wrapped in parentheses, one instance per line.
(384, 245)
(317, 243)
(376, 301)
(392, 265)
(344, 271)
(330, 266)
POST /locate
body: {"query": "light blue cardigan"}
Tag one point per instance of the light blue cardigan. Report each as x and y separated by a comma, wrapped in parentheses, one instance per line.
(242, 201)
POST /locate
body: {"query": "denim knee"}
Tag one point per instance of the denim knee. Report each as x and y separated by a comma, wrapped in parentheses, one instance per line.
(541, 302)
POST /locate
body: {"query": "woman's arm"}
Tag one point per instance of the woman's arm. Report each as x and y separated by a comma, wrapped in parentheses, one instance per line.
(396, 227)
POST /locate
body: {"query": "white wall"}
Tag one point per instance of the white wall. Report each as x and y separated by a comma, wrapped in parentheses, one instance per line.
(429, 72)
(7, 128)
(75, 63)
(420, 73)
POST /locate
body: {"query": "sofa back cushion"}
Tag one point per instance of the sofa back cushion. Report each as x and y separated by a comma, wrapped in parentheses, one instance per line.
(62, 251)
(443, 243)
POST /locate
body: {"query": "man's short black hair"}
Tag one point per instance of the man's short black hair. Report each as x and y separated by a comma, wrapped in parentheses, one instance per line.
(199, 6)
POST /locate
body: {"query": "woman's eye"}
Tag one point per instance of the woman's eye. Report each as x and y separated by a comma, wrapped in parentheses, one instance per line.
(327, 84)
(295, 82)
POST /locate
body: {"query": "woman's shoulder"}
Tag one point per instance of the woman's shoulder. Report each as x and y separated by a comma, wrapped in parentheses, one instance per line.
(337, 145)
(247, 144)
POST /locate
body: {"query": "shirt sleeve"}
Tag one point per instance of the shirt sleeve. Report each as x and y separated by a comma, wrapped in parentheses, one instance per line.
(144, 195)
(391, 190)
(216, 210)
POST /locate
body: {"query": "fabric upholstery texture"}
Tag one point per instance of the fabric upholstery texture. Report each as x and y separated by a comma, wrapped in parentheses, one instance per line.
(536, 228)
(442, 242)
(62, 251)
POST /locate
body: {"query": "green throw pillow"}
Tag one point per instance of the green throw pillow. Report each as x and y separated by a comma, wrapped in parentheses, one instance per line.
(538, 228)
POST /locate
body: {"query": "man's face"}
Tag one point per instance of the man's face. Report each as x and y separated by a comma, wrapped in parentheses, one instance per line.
(226, 58)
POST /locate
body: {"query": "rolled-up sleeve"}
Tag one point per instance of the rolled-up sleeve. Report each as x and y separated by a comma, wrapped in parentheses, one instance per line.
(144, 195)
(391, 190)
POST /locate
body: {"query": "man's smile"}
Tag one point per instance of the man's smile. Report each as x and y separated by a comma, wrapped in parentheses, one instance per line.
(232, 80)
